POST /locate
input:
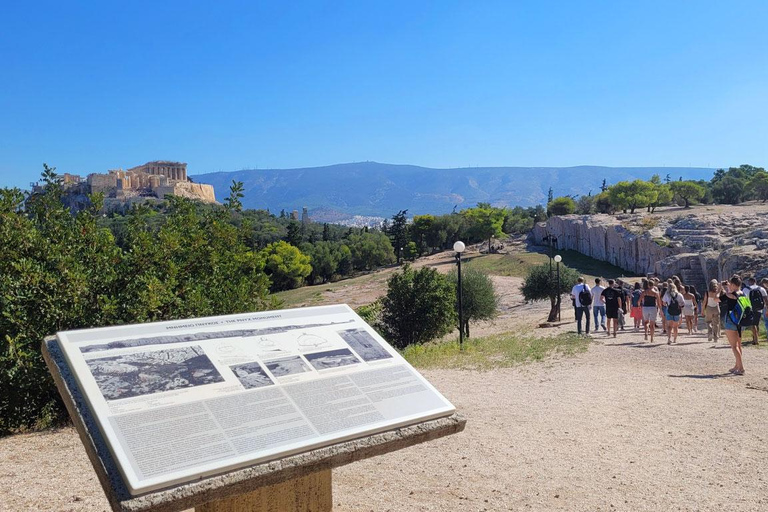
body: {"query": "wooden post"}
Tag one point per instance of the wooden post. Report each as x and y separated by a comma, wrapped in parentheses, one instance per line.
(309, 493)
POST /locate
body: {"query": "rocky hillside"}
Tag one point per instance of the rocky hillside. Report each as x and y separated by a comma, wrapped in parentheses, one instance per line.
(698, 244)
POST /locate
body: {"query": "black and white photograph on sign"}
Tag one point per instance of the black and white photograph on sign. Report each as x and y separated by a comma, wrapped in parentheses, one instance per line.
(331, 359)
(364, 344)
(287, 366)
(145, 373)
(251, 375)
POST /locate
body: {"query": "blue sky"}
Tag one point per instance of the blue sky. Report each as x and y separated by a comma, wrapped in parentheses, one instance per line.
(87, 86)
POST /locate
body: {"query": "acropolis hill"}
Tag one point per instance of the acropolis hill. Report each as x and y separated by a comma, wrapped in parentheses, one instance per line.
(155, 179)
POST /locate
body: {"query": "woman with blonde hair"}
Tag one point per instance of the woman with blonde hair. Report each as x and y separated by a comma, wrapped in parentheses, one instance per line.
(712, 311)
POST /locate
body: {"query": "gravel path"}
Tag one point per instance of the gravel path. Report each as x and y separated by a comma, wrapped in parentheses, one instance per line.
(624, 426)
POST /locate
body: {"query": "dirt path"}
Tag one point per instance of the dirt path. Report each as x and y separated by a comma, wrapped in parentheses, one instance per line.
(624, 426)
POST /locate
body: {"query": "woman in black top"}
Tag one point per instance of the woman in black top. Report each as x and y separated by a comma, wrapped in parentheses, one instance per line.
(732, 330)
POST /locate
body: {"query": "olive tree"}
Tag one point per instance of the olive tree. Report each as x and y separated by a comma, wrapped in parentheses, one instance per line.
(479, 300)
(541, 283)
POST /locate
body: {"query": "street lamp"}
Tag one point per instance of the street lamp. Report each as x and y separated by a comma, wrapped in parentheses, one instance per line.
(459, 248)
(558, 259)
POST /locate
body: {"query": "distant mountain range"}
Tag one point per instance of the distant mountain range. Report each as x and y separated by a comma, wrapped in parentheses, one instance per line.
(334, 192)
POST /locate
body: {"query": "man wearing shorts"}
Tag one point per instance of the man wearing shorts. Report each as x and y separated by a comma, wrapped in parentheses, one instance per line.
(613, 298)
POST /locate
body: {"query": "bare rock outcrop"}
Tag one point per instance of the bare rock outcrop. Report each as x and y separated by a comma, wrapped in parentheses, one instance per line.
(698, 246)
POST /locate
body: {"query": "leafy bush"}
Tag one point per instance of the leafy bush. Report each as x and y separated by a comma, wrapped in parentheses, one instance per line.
(419, 306)
(60, 271)
(561, 206)
(478, 296)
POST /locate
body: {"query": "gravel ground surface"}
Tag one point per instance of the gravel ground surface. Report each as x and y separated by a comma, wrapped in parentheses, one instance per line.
(624, 426)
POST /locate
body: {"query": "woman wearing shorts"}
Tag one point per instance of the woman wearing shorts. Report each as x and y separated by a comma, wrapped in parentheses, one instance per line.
(650, 301)
(673, 313)
(712, 311)
(689, 310)
(732, 331)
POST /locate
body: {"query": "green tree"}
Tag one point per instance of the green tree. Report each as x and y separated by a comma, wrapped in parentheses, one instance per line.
(370, 250)
(585, 205)
(561, 206)
(286, 265)
(293, 233)
(421, 229)
(541, 283)
(398, 232)
(485, 222)
(759, 185)
(729, 190)
(663, 196)
(631, 195)
(688, 191)
(419, 306)
(323, 258)
(411, 251)
(479, 300)
(235, 195)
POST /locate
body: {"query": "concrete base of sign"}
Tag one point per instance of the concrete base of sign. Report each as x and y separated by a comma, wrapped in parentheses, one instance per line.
(304, 479)
(309, 493)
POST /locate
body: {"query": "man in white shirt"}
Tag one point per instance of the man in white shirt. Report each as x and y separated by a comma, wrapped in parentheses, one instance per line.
(582, 310)
(756, 294)
(598, 304)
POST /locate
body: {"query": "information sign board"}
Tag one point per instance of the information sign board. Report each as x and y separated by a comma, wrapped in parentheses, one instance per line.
(181, 400)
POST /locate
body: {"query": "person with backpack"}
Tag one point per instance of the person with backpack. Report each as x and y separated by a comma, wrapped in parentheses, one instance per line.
(581, 296)
(675, 303)
(614, 299)
(736, 303)
(757, 298)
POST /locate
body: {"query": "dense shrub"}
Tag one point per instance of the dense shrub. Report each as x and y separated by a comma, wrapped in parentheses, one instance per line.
(418, 307)
(60, 271)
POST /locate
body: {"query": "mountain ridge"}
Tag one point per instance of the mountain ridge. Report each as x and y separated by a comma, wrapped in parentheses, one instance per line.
(380, 189)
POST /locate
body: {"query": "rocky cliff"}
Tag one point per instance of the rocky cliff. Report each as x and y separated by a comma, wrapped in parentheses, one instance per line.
(698, 245)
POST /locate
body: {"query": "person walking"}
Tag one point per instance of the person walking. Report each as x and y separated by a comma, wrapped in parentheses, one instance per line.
(731, 326)
(689, 309)
(758, 297)
(613, 298)
(662, 293)
(636, 311)
(582, 299)
(764, 286)
(675, 303)
(712, 311)
(651, 304)
(699, 310)
(598, 305)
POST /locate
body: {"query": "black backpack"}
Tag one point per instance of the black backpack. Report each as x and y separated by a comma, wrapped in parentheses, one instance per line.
(585, 296)
(756, 298)
(674, 306)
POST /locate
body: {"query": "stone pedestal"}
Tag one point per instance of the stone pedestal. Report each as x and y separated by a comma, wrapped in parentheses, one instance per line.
(309, 493)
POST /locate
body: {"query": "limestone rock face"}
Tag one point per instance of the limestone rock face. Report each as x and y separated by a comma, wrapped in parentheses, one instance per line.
(697, 247)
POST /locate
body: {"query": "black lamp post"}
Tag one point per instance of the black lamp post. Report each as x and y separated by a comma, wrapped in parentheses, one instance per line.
(459, 248)
(558, 259)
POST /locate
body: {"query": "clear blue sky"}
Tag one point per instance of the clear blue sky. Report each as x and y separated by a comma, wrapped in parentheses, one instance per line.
(88, 86)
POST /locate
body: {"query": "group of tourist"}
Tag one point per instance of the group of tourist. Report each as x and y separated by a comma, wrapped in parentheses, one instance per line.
(729, 307)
